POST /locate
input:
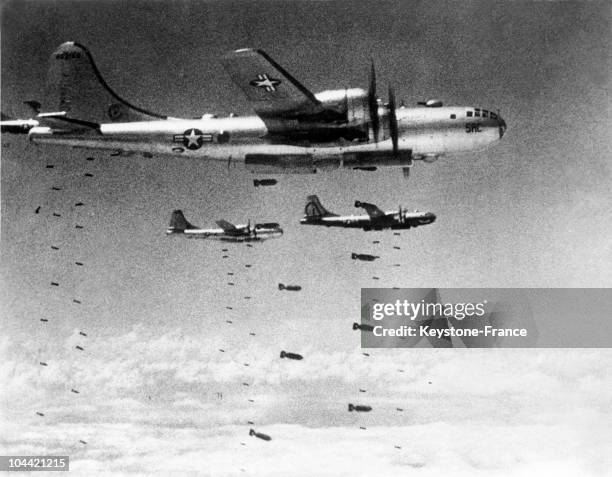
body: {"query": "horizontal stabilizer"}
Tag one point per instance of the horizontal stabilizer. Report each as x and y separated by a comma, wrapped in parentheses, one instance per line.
(16, 126)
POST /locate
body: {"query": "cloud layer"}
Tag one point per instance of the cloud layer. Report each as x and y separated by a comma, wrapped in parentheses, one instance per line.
(175, 403)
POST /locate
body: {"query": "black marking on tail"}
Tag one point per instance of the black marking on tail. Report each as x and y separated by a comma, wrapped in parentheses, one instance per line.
(314, 208)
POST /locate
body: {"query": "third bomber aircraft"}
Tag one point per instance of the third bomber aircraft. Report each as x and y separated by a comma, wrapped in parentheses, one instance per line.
(375, 219)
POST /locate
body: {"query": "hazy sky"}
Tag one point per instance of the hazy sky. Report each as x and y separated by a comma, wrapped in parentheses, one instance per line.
(531, 211)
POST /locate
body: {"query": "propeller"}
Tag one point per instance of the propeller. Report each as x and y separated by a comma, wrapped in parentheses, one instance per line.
(373, 104)
(373, 110)
(249, 229)
(393, 121)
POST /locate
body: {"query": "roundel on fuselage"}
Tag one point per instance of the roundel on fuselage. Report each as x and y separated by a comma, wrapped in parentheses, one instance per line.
(116, 111)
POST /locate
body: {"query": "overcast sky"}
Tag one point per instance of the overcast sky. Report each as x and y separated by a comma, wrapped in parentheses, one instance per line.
(530, 211)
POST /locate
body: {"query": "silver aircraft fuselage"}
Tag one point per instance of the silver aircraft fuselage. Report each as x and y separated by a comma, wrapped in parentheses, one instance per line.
(423, 133)
(391, 220)
(243, 233)
(292, 131)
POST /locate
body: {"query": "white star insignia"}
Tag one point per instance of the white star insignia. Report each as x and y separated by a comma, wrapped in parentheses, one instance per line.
(263, 81)
(192, 139)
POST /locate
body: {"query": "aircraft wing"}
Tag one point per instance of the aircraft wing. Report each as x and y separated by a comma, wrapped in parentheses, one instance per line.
(373, 211)
(226, 226)
(276, 96)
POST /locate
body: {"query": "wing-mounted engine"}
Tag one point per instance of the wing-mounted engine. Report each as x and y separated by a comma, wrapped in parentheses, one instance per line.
(289, 110)
(344, 116)
(292, 114)
(341, 100)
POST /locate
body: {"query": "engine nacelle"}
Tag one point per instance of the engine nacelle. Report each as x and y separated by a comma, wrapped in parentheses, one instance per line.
(337, 98)
(431, 103)
(351, 102)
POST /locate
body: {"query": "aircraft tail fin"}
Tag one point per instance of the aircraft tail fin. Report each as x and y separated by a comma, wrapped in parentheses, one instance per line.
(178, 223)
(314, 209)
(76, 88)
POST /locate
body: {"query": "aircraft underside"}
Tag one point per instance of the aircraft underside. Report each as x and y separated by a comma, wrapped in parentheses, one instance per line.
(260, 156)
(366, 225)
(225, 238)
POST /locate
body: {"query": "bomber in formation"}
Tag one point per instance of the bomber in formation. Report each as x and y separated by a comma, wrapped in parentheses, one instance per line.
(227, 231)
(293, 131)
(375, 219)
